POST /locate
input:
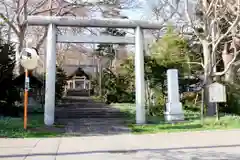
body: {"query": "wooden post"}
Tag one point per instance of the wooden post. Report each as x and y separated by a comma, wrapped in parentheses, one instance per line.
(202, 107)
(89, 87)
(26, 98)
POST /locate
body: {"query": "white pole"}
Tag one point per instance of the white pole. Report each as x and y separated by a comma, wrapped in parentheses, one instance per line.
(139, 77)
(50, 76)
(74, 83)
(84, 83)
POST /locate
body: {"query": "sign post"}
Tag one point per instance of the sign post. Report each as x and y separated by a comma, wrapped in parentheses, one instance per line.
(29, 61)
(26, 98)
(217, 93)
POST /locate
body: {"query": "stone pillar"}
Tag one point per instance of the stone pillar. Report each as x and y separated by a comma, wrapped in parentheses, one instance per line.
(84, 83)
(174, 111)
(139, 77)
(74, 83)
(50, 76)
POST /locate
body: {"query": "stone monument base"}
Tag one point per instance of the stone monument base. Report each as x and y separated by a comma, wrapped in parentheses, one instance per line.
(174, 112)
(170, 117)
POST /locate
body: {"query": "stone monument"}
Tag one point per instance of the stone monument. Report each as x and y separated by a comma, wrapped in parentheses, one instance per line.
(174, 111)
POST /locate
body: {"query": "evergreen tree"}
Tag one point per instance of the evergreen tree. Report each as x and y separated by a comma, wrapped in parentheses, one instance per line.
(61, 81)
(9, 93)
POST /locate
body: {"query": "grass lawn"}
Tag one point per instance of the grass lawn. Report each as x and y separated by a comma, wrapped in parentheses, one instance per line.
(192, 123)
(13, 127)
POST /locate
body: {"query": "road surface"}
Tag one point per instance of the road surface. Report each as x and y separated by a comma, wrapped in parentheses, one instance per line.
(209, 145)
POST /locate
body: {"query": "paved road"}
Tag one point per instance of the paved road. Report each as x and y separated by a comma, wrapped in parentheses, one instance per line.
(165, 146)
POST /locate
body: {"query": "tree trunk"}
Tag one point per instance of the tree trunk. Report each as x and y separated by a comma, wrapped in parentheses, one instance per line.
(211, 107)
(18, 69)
(227, 58)
(9, 35)
(17, 57)
(230, 75)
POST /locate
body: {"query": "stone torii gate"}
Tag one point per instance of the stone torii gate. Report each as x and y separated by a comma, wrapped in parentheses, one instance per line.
(52, 38)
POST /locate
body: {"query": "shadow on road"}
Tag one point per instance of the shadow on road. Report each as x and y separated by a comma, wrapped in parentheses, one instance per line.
(193, 152)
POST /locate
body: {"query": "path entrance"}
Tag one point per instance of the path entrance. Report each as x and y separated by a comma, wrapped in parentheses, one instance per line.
(82, 116)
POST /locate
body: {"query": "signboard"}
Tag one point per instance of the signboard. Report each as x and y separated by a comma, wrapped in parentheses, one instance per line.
(217, 92)
(27, 83)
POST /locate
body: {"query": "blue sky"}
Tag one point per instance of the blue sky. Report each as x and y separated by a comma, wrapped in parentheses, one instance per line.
(139, 13)
(134, 14)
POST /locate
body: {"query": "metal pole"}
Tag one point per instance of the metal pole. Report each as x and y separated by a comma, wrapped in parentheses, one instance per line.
(139, 77)
(25, 12)
(26, 98)
(50, 76)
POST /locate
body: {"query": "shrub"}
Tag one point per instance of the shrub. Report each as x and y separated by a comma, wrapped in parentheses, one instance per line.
(61, 81)
(156, 110)
(116, 87)
(233, 102)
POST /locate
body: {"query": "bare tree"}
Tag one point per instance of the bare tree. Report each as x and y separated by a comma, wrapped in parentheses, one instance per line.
(15, 10)
(167, 13)
(217, 32)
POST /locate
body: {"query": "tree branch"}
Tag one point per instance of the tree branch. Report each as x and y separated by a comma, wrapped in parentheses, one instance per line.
(198, 63)
(42, 39)
(209, 10)
(186, 8)
(228, 31)
(5, 19)
(37, 6)
(229, 64)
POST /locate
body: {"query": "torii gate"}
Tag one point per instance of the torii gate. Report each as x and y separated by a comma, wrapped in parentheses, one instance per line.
(52, 38)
